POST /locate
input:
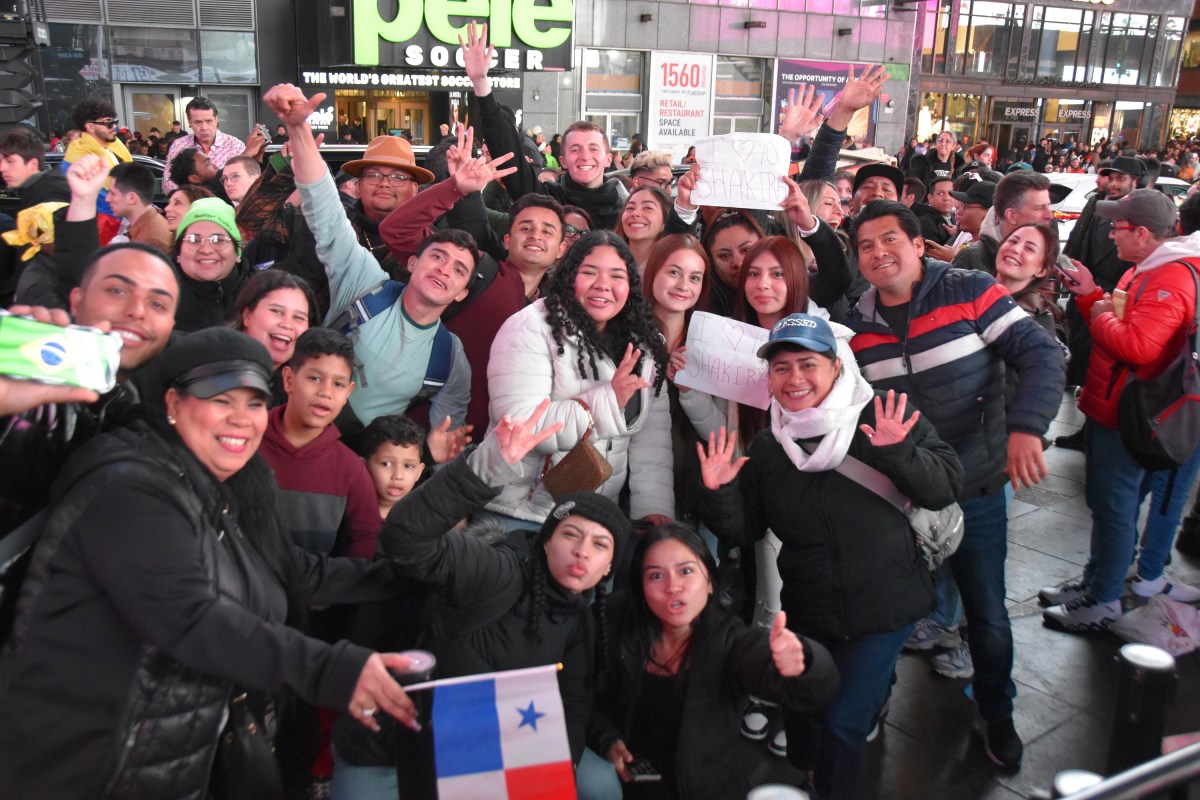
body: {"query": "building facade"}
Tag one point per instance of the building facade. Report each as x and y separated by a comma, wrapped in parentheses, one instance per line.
(1015, 72)
(150, 57)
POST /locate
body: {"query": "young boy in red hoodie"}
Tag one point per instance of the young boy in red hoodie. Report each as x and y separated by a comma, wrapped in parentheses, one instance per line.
(328, 498)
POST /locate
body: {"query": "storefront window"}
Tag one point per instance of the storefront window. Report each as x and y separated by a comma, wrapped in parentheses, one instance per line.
(613, 93)
(1062, 38)
(1127, 120)
(739, 94)
(228, 57)
(154, 55)
(988, 33)
(74, 68)
(936, 34)
(1125, 45)
(1172, 39)
(614, 71)
(955, 112)
(1191, 48)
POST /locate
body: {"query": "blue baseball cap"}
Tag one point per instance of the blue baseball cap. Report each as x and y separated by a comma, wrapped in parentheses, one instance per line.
(803, 331)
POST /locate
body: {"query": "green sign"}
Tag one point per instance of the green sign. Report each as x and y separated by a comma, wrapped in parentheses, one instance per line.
(431, 24)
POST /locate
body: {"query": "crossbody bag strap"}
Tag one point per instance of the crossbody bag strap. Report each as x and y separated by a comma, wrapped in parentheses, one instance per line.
(872, 479)
(591, 427)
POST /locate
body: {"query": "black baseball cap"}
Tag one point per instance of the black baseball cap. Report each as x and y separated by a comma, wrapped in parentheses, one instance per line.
(880, 170)
(979, 193)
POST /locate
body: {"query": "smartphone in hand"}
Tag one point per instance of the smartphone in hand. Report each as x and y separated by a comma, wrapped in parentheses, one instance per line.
(1066, 270)
(642, 771)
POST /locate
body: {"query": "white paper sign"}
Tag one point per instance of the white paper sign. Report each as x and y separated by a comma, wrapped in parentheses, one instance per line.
(742, 170)
(681, 96)
(722, 359)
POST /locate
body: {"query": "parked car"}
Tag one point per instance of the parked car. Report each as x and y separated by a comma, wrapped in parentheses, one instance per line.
(1070, 192)
(10, 203)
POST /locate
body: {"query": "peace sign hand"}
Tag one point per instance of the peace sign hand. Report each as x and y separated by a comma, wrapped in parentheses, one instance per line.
(890, 427)
(517, 438)
(624, 382)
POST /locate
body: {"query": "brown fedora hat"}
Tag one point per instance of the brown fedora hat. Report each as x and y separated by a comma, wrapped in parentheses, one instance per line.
(389, 151)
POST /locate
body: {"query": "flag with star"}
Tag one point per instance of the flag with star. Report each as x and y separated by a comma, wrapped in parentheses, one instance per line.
(500, 736)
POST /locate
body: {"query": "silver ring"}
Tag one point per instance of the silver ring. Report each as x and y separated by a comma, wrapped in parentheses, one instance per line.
(369, 712)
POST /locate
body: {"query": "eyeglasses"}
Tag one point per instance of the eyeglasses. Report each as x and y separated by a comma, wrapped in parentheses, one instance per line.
(228, 179)
(108, 123)
(571, 230)
(396, 178)
(662, 183)
(1125, 227)
(217, 240)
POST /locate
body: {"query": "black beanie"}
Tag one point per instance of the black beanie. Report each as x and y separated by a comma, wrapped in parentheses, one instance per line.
(598, 509)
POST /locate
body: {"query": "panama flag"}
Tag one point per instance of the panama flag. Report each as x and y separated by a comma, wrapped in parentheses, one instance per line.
(501, 736)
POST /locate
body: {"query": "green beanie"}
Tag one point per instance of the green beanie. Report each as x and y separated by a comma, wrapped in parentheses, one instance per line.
(212, 209)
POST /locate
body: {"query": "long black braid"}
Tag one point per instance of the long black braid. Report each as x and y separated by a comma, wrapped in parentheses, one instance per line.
(600, 615)
(635, 323)
(537, 592)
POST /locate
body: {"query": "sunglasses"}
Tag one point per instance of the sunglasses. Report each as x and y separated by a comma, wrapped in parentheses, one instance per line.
(108, 123)
(571, 230)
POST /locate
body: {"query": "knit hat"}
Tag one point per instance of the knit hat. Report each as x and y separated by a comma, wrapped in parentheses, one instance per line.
(215, 360)
(598, 509)
(212, 209)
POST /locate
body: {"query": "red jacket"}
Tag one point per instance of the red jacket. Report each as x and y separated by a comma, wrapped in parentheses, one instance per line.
(1160, 306)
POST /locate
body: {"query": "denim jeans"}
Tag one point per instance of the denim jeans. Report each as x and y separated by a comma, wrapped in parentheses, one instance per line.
(978, 568)
(866, 665)
(1113, 488)
(948, 611)
(1162, 520)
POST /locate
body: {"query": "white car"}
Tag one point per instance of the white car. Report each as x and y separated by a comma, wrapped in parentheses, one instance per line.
(1070, 192)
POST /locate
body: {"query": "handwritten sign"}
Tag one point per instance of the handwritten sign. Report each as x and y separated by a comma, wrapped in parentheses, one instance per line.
(680, 100)
(722, 360)
(742, 170)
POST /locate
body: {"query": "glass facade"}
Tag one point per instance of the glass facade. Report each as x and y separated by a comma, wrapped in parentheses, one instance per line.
(74, 68)
(1062, 39)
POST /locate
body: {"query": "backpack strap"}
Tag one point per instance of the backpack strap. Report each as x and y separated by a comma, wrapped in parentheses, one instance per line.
(369, 304)
(441, 360)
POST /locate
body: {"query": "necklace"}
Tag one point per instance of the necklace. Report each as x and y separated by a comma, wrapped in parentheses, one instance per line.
(671, 664)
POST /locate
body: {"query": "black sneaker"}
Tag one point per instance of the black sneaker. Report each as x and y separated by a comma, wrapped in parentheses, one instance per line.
(1073, 441)
(1003, 745)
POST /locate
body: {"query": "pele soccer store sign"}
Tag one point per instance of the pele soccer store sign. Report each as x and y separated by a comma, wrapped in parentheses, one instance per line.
(681, 100)
(529, 35)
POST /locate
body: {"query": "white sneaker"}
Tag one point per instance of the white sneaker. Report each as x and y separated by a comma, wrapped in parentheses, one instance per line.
(1082, 615)
(1176, 591)
(1065, 592)
(929, 634)
(778, 745)
(955, 662)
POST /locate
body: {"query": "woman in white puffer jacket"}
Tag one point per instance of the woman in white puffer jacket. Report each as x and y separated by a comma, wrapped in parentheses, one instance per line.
(591, 344)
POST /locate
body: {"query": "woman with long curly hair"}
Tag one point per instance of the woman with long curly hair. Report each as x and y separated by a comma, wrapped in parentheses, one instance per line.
(592, 345)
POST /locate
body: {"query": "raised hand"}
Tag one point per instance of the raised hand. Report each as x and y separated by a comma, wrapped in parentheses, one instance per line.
(290, 105)
(255, 143)
(890, 427)
(624, 382)
(473, 174)
(445, 444)
(795, 205)
(517, 438)
(786, 648)
(718, 466)
(377, 691)
(460, 152)
(477, 53)
(86, 176)
(803, 113)
(861, 91)
(685, 186)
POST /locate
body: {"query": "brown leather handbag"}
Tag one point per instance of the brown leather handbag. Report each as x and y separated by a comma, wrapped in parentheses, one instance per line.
(582, 469)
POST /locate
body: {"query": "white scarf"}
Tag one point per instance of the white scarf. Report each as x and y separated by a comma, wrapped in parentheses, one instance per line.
(834, 420)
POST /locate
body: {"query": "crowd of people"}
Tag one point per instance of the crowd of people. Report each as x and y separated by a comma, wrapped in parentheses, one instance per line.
(438, 405)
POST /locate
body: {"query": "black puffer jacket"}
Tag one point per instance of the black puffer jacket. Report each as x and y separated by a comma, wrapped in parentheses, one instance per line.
(143, 607)
(467, 571)
(730, 662)
(849, 564)
(205, 304)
